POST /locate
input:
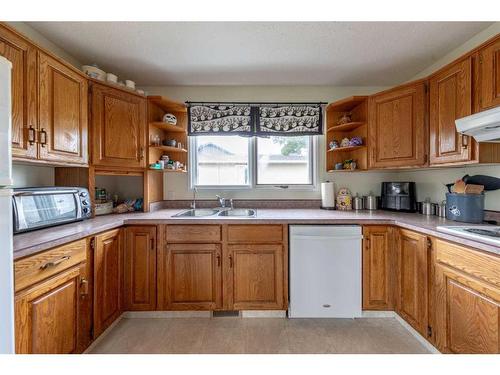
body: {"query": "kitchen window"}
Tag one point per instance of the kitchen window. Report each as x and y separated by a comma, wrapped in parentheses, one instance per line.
(239, 162)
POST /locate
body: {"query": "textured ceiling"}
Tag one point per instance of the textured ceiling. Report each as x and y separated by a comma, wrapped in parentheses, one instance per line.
(260, 53)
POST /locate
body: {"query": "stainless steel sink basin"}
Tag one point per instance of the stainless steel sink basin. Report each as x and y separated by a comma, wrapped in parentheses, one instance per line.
(199, 212)
(240, 212)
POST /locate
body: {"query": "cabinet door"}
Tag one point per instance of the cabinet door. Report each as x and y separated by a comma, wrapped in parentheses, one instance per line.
(107, 279)
(397, 127)
(467, 314)
(22, 55)
(450, 99)
(489, 75)
(193, 277)
(118, 128)
(413, 280)
(63, 110)
(255, 277)
(140, 268)
(48, 315)
(377, 268)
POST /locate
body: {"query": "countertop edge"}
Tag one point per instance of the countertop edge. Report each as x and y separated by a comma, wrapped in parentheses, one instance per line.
(112, 222)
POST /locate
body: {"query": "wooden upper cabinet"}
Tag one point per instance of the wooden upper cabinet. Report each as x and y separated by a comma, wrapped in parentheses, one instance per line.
(377, 268)
(108, 264)
(466, 303)
(140, 268)
(48, 315)
(397, 127)
(63, 120)
(255, 277)
(489, 75)
(450, 99)
(118, 128)
(193, 277)
(412, 299)
(22, 55)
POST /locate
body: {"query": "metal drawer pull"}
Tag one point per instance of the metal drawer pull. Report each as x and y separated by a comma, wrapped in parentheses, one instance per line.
(84, 287)
(230, 261)
(54, 263)
(43, 133)
(465, 141)
(31, 135)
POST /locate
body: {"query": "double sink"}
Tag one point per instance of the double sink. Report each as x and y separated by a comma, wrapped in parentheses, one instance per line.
(206, 212)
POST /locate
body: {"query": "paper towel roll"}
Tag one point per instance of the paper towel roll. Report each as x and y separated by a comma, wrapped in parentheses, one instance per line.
(327, 195)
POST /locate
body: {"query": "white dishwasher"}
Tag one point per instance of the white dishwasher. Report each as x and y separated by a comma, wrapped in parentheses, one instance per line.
(325, 271)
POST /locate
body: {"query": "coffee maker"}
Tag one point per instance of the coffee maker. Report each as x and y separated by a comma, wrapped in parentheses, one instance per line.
(398, 196)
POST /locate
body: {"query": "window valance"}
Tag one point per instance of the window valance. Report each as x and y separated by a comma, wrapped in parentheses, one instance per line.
(255, 119)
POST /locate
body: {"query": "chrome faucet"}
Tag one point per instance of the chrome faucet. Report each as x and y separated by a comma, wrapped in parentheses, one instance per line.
(193, 203)
(222, 201)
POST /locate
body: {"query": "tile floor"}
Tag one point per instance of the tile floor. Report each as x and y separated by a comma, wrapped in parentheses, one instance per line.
(254, 335)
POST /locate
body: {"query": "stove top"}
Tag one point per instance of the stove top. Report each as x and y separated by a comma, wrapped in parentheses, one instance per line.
(489, 234)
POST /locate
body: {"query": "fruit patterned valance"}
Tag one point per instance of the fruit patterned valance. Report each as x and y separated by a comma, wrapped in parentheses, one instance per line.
(259, 119)
(289, 119)
(220, 119)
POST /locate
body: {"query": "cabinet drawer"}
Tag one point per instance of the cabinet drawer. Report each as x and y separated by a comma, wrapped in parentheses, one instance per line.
(482, 266)
(33, 269)
(193, 233)
(255, 233)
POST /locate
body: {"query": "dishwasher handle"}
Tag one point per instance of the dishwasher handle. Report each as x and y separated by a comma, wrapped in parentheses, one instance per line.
(322, 238)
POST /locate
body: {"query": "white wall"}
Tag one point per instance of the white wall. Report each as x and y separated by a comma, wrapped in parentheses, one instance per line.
(176, 185)
(32, 175)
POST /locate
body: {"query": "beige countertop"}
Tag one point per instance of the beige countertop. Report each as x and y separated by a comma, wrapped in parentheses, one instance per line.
(32, 242)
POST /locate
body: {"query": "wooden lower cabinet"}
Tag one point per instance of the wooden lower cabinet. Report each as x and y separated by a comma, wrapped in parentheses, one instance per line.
(254, 277)
(412, 299)
(192, 277)
(108, 270)
(466, 303)
(378, 270)
(223, 267)
(49, 315)
(140, 268)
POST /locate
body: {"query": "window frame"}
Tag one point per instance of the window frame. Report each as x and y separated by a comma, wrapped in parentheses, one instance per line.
(252, 168)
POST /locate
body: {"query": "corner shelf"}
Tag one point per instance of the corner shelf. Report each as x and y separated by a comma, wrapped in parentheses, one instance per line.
(356, 106)
(346, 149)
(169, 149)
(346, 127)
(168, 127)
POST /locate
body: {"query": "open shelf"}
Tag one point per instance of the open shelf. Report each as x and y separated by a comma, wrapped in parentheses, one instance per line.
(356, 108)
(168, 170)
(169, 149)
(168, 127)
(346, 104)
(345, 127)
(167, 105)
(346, 149)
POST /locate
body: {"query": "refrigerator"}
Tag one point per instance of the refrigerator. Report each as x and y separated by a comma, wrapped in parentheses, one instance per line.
(6, 248)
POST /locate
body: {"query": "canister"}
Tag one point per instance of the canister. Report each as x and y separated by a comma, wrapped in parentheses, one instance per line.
(428, 208)
(370, 202)
(357, 203)
(441, 209)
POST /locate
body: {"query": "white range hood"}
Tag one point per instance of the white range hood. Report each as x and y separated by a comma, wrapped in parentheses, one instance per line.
(483, 126)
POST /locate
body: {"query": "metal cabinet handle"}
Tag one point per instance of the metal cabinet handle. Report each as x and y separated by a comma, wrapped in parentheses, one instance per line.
(31, 135)
(465, 141)
(230, 261)
(152, 242)
(218, 260)
(84, 287)
(54, 263)
(141, 153)
(43, 141)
